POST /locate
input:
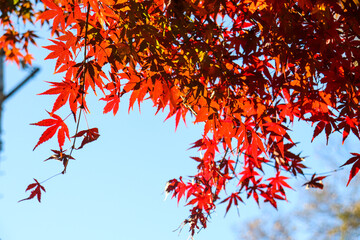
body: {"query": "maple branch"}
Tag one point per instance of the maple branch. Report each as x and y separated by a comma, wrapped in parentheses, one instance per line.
(82, 81)
(308, 174)
(236, 163)
(76, 131)
(325, 173)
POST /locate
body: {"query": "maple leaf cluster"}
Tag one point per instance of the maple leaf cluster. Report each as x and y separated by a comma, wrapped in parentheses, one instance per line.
(14, 44)
(244, 69)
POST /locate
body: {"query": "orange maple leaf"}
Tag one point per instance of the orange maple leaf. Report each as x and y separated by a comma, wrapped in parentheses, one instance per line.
(54, 124)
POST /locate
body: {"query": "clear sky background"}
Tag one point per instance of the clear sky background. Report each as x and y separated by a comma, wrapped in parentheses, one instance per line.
(115, 188)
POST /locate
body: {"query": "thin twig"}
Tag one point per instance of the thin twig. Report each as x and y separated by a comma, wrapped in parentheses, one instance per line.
(188, 106)
(82, 81)
(51, 177)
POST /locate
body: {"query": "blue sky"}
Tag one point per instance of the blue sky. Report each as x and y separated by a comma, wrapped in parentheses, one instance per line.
(114, 188)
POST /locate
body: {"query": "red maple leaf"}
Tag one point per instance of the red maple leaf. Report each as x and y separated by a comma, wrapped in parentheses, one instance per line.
(35, 192)
(62, 157)
(60, 52)
(112, 99)
(54, 124)
(55, 13)
(233, 198)
(89, 135)
(355, 168)
(315, 182)
(279, 182)
(67, 90)
(112, 103)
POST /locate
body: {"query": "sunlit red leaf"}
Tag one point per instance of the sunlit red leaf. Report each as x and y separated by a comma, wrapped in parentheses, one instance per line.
(68, 91)
(54, 124)
(60, 52)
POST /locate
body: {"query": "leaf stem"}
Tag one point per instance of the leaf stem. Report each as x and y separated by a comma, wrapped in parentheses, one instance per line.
(51, 177)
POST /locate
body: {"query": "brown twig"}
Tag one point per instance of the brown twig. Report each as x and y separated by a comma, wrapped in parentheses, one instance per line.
(188, 106)
(82, 81)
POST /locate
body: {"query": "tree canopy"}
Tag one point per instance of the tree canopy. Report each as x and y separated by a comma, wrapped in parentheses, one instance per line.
(246, 70)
